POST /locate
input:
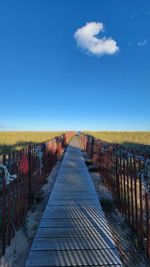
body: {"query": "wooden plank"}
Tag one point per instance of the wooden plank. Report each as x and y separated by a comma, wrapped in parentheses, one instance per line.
(65, 215)
(74, 208)
(68, 231)
(73, 243)
(78, 202)
(73, 230)
(105, 257)
(71, 222)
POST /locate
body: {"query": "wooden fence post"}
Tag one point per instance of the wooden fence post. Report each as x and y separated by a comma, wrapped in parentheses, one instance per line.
(30, 174)
(4, 210)
(147, 224)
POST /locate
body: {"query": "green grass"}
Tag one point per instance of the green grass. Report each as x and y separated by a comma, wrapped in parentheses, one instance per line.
(12, 141)
(139, 140)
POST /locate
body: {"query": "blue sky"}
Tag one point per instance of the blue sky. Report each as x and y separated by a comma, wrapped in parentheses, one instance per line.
(51, 79)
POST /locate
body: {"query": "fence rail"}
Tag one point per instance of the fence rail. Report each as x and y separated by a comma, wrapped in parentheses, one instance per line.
(127, 175)
(21, 176)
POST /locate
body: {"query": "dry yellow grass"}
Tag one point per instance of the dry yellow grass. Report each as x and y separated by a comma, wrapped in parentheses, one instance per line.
(140, 140)
(11, 141)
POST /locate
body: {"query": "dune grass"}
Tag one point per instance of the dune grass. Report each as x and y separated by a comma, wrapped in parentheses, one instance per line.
(138, 140)
(12, 141)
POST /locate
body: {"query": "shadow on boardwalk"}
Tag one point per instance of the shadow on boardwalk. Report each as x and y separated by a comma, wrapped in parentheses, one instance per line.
(73, 230)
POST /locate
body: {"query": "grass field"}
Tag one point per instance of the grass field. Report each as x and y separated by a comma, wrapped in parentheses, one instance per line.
(11, 141)
(138, 140)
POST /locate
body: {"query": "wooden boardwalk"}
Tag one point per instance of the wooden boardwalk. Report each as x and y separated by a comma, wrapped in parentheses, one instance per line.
(73, 230)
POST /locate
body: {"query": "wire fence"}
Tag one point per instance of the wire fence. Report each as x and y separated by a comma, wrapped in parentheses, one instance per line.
(21, 176)
(127, 175)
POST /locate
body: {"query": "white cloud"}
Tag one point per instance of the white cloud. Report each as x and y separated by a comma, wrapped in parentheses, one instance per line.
(87, 40)
(142, 43)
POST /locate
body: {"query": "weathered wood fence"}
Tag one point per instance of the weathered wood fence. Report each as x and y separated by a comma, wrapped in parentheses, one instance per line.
(21, 176)
(127, 176)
